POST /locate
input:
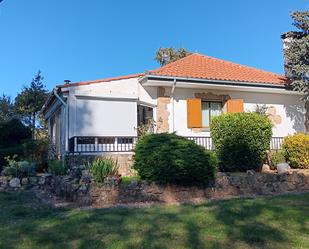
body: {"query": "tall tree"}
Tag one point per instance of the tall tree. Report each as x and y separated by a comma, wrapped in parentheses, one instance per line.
(167, 55)
(29, 102)
(296, 53)
(6, 108)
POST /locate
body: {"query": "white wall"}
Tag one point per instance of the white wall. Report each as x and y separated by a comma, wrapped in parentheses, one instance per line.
(289, 107)
(106, 109)
(96, 117)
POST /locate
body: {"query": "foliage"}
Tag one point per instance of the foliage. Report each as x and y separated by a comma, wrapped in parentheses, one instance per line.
(37, 151)
(103, 167)
(19, 169)
(146, 129)
(56, 167)
(168, 158)
(296, 53)
(30, 100)
(12, 133)
(167, 55)
(130, 179)
(296, 150)
(6, 108)
(277, 157)
(11, 151)
(241, 140)
(261, 109)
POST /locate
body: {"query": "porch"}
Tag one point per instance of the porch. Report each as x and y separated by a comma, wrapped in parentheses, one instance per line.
(103, 144)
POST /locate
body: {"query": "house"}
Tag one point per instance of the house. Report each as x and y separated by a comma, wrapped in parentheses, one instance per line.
(102, 115)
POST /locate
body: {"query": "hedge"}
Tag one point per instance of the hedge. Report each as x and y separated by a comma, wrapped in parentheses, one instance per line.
(241, 140)
(171, 159)
(296, 150)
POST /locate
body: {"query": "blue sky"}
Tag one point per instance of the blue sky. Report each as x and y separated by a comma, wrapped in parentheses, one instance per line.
(83, 40)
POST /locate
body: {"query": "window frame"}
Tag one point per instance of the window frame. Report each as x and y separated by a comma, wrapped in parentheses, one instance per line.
(209, 111)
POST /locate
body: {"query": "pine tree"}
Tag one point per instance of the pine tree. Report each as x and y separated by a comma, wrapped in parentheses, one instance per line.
(296, 53)
(167, 55)
(6, 108)
(29, 102)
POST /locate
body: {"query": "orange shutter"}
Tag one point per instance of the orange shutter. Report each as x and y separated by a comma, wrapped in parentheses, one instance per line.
(235, 105)
(194, 110)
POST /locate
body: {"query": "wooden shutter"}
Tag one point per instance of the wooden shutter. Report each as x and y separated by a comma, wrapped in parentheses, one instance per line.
(235, 105)
(194, 113)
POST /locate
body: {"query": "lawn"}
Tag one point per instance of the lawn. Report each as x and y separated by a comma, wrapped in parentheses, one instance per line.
(270, 222)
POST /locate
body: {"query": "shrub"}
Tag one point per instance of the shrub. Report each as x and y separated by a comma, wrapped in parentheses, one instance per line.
(11, 151)
(277, 157)
(130, 179)
(168, 158)
(19, 169)
(37, 151)
(12, 133)
(56, 167)
(241, 140)
(103, 167)
(296, 150)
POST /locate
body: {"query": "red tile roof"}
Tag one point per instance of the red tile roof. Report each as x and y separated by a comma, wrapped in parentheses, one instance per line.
(206, 67)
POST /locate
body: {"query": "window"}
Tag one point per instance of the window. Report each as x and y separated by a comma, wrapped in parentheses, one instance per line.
(209, 110)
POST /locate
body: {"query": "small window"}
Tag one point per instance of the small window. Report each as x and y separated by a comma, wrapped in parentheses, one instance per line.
(125, 140)
(106, 140)
(85, 140)
(209, 110)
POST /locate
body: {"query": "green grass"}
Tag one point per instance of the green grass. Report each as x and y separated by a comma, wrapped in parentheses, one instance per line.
(271, 222)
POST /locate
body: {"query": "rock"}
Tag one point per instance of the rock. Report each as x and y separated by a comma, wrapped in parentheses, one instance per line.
(250, 172)
(41, 180)
(3, 181)
(33, 180)
(266, 168)
(24, 181)
(15, 183)
(283, 167)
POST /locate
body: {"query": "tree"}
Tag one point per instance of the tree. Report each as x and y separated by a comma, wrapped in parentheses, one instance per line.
(167, 55)
(6, 108)
(296, 53)
(29, 102)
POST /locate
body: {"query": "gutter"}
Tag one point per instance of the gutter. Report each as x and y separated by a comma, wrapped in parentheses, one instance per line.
(207, 81)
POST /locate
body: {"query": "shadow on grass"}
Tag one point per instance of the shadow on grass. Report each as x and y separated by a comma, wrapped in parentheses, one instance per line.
(260, 223)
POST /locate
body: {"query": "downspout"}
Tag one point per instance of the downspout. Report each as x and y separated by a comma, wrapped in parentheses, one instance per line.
(172, 94)
(67, 119)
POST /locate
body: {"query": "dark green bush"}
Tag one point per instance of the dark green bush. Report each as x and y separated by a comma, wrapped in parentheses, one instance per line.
(168, 158)
(241, 140)
(13, 133)
(56, 167)
(37, 151)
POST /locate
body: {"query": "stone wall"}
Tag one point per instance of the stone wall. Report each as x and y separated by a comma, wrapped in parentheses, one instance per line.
(225, 186)
(80, 188)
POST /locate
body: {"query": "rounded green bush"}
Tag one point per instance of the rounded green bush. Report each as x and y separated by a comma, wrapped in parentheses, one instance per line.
(296, 150)
(241, 140)
(168, 158)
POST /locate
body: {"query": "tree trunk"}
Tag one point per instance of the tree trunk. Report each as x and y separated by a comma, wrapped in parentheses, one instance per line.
(33, 126)
(307, 116)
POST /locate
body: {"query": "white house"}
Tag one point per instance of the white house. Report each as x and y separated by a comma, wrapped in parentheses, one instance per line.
(102, 115)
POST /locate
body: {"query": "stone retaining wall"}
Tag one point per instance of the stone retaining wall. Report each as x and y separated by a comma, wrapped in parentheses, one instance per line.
(80, 188)
(226, 186)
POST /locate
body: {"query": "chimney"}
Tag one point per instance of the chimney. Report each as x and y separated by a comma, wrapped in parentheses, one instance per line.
(67, 82)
